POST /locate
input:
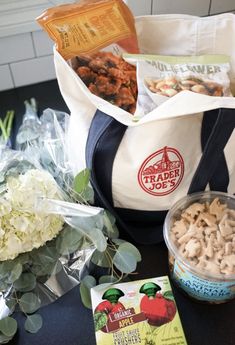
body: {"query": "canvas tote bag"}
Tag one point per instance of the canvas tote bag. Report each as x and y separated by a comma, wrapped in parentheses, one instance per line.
(187, 144)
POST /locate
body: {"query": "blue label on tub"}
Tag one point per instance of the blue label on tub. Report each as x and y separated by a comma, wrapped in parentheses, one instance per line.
(203, 289)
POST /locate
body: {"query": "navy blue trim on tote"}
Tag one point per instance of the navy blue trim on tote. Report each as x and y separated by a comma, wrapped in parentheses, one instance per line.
(220, 179)
(103, 141)
(213, 153)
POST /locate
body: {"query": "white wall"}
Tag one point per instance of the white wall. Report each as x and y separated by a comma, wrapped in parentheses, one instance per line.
(25, 50)
(194, 7)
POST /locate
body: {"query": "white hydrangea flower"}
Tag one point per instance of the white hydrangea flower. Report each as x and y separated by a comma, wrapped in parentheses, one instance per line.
(2, 233)
(22, 231)
(5, 207)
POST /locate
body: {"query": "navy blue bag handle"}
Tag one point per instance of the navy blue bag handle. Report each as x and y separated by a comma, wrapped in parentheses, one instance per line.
(212, 162)
(104, 138)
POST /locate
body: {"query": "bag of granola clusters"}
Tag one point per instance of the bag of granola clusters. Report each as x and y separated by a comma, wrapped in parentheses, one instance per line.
(139, 168)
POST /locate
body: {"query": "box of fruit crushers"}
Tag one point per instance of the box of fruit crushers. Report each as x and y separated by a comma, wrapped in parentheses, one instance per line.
(139, 312)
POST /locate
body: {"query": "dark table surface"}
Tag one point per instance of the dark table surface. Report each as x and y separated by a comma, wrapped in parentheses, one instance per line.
(66, 321)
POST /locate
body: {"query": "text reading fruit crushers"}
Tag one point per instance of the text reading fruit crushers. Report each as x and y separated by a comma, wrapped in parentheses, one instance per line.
(130, 337)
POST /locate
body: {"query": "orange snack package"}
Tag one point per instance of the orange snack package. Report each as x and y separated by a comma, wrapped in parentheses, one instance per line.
(92, 35)
(89, 26)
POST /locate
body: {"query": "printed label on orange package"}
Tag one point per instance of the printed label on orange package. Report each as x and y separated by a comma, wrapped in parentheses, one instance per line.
(90, 26)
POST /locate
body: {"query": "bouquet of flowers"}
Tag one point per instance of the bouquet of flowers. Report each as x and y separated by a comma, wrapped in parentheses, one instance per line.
(51, 238)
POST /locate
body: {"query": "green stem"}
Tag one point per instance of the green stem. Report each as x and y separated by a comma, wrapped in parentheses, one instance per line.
(6, 124)
(113, 271)
(6, 119)
(4, 133)
(10, 121)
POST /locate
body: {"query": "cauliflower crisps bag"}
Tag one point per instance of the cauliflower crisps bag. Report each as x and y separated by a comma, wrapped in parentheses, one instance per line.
(92, 34)
(161, 77)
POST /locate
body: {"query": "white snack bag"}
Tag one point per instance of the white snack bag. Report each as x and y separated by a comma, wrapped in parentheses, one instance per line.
(161, 77)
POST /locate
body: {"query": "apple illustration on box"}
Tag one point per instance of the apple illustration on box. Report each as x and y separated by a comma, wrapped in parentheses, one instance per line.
(110, 305)
(158, 309)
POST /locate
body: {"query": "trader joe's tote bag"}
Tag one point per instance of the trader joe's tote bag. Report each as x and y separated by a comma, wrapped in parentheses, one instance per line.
(187, 144)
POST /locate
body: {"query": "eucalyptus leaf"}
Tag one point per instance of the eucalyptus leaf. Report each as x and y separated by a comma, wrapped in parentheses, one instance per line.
(6, 267)
(4, 285)
(88, 194)
(130, 248)
(87, 223)
(110, 217)
(11, 303)
(110, 227)
(4, 339)
(124, 261)
(48, 269)
(94, 235)
(85, 286)
(8, 326)
(103, 259)
(23, 258)
(29, 303)
(68, 241)
(81, 181)
(33, 323)
(48, 254)
(43, 270)
(99, 221)
(108, 279)
(15, 273)
(45, 254)
(26, 282)
(44, 260)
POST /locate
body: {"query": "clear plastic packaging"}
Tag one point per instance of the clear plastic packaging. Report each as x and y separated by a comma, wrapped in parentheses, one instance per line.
(45, 157)
(198, 283)
(29, 131)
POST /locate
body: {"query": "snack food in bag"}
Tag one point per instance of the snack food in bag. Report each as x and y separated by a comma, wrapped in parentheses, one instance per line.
(91, 35)
(162, 77)
(109, 77)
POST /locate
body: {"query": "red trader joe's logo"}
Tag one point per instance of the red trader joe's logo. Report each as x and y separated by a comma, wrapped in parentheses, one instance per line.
(161, 173)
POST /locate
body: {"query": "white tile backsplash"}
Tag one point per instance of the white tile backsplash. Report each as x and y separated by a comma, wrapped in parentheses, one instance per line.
(15, 5)
(197, 8)
(218, 6)
(33, 71)
(15, 48)
(6, 81)
(139, 7)
(42, 43)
